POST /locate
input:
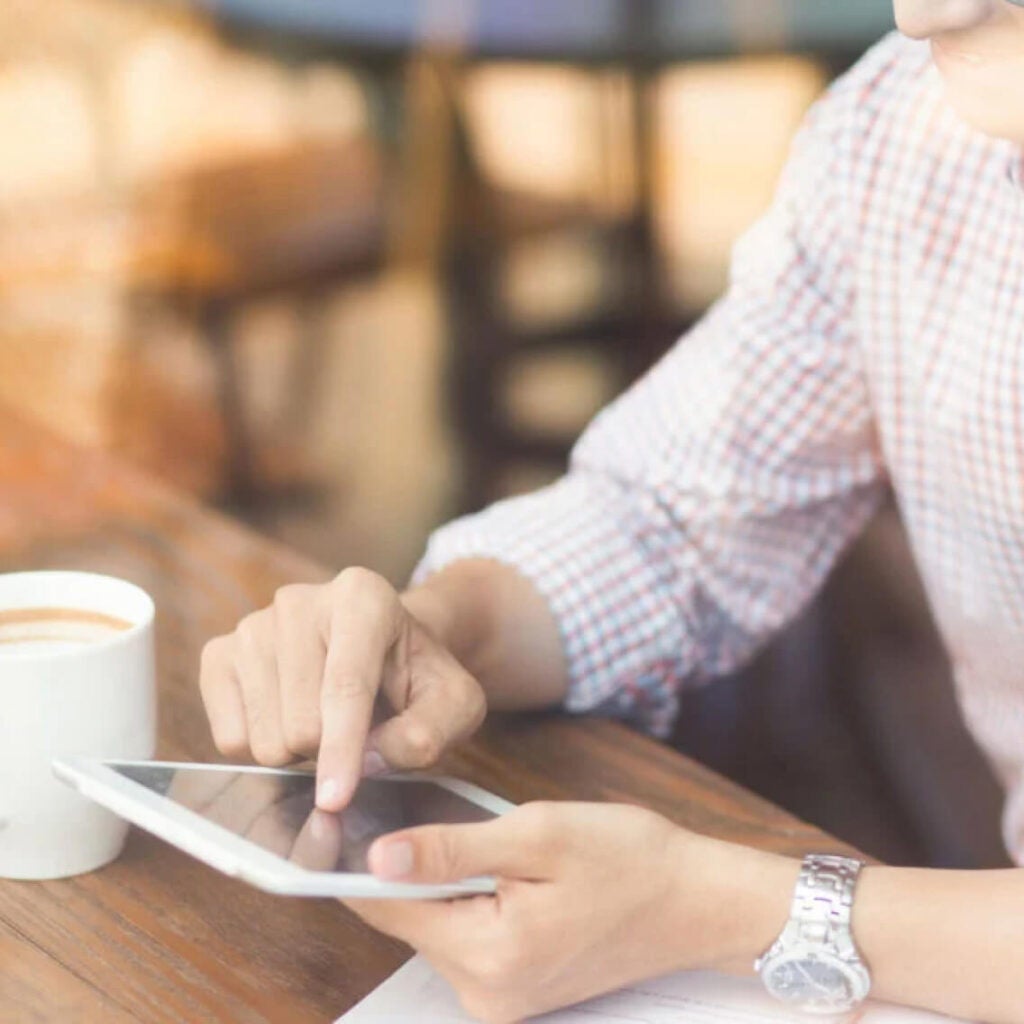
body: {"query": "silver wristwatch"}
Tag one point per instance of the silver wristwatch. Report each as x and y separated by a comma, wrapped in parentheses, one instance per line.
(814, 964)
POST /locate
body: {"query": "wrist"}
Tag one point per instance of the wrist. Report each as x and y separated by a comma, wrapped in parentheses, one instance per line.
(747, 895)
(888, 914)
(500, 627)
(453, 607)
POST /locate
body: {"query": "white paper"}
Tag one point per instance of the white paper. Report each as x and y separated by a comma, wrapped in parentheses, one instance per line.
(417, 993)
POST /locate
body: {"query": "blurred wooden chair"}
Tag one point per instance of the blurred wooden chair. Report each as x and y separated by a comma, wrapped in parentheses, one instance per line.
(203, 242)
(638, 311)
(612, 336)
(299, 223)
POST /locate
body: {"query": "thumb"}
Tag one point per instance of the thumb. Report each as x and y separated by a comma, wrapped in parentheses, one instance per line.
(510, 846)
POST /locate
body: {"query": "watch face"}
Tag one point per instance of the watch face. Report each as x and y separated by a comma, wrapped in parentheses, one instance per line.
(811, 983)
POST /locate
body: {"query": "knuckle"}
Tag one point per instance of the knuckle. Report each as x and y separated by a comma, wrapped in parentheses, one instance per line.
(543, 828)
(645, 821)
(356, 577)
(270, 752)
(213, 656)
(475, 702)
(424, 745)
(302, 731)
(459, 687)
(266, 740)
(539, 819)
(295, 598)
(230, 743)
(445, 854)
(209, 682)
(343, 686)
(364, 585)
(641, 824)
(252, 630)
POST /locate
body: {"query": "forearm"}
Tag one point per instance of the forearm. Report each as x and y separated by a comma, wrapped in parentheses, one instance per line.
(949, 941)
(499, 627)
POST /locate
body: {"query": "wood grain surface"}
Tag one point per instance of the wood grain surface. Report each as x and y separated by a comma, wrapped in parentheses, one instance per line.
(158, 937)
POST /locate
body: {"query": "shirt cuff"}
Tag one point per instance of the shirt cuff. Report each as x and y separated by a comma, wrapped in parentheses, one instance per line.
(620, 631)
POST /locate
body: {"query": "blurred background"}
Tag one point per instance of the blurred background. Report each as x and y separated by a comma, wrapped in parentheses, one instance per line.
(347, 268)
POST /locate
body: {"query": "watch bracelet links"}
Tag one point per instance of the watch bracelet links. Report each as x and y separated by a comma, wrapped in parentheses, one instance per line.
(823, 899)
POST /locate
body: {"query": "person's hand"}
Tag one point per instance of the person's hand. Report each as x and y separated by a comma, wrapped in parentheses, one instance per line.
(301, 678)
(591, 897)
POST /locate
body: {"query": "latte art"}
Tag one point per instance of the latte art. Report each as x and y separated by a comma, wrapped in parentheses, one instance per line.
(46, 629)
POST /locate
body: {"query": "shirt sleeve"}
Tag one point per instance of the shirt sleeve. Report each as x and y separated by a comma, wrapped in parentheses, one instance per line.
(704, 507)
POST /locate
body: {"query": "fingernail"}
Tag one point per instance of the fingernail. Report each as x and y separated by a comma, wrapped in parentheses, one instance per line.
(393, 860)
(327, 794)
(374, 764)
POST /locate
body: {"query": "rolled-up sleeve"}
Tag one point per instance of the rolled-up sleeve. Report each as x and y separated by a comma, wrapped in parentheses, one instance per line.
(704, 507)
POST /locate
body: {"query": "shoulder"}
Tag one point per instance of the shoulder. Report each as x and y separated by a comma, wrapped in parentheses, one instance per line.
(860, 123)
(891, 83)
(886, 130)
(892, 65)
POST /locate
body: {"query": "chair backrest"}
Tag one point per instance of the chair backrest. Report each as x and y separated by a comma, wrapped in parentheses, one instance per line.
(269, 217)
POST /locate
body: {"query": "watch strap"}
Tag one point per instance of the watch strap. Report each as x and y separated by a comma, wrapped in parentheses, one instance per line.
(823, 900)
(818, 930)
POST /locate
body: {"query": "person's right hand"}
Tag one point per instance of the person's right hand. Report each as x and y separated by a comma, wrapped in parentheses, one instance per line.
(301, 678)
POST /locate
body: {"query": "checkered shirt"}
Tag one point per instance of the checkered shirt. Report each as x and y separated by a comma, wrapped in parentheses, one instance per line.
(872, 331)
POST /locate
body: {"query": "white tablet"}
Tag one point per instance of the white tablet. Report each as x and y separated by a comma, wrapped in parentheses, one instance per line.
(262, 825)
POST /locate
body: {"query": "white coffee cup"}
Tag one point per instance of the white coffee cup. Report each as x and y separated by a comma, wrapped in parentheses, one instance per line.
(89, 695)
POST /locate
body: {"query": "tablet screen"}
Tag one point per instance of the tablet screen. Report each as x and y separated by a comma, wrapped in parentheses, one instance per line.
(276, 810)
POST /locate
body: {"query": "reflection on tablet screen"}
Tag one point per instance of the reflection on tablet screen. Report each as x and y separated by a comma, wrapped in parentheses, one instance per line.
(276, 811)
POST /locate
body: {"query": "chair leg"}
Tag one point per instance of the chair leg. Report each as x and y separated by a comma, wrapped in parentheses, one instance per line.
(308, 363)
(215, 320)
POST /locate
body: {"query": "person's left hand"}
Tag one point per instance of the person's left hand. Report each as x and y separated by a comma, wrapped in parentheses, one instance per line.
(591, 897)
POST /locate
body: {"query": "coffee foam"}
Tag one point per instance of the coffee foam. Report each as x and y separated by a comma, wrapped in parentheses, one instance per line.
(47, 629)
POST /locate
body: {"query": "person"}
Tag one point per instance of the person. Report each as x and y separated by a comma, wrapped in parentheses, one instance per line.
(873, 331)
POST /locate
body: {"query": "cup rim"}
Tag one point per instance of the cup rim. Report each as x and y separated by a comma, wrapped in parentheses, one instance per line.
(112, 642)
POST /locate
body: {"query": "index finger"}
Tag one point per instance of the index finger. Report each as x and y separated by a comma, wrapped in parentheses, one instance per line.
(364, 622)
(320, 843)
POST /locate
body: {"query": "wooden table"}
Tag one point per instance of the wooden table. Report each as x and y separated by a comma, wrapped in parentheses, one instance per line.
(158, 937)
